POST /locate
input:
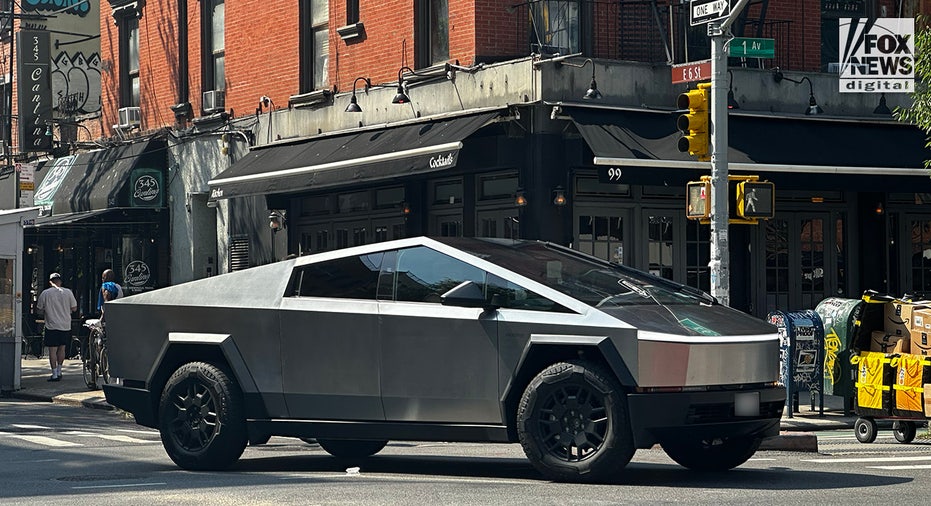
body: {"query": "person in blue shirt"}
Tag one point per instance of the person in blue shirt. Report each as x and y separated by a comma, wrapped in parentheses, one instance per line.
(109, 289)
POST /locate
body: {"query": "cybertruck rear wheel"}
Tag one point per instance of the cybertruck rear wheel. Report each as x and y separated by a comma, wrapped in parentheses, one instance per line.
(573, 423)
(201, 418)
(719, 454)
(350, 448)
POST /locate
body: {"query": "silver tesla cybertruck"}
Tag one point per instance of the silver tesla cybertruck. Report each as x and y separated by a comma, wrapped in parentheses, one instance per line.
(448, 339)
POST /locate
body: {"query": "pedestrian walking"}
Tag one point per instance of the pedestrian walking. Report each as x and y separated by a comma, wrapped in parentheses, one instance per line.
(56, 303)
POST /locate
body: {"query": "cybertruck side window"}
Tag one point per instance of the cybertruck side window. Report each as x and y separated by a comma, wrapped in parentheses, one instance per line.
(344, 278)
(423, 274)
(513, 296)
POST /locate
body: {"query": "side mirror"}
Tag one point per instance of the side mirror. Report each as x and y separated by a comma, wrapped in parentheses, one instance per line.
(467, 294)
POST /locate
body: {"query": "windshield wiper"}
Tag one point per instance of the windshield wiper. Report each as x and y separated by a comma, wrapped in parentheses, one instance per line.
(639, 290)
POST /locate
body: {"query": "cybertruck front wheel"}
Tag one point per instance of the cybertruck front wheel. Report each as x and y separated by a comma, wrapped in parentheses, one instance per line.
(201, 418)
(573, 423)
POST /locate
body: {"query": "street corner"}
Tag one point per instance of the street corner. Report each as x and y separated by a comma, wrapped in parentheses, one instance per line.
(791, 442)
(93, 400)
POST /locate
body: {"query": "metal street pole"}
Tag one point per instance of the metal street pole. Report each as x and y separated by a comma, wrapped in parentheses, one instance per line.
(720, 257)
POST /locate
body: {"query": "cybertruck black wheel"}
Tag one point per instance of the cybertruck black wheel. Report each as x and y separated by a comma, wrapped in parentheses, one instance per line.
(350, 448)
(573, 423)
(201, 418)
(719, 454)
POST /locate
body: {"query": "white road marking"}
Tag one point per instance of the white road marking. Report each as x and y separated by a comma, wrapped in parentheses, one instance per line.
(24, 426)
(867, 460)
(109, 437)
(892, 468)
(44, 441)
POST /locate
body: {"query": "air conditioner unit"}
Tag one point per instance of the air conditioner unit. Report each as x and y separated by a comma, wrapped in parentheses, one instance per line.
(214, 100)
(129, 117)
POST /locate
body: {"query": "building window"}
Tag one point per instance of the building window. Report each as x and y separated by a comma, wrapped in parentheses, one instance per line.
(352, 12)
(315, 44)
(431, 43)
(214, 46)
(555, 27)
(129, 58)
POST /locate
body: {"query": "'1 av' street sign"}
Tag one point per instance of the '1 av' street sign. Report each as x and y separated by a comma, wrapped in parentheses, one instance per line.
(703, 11)
(752, 48)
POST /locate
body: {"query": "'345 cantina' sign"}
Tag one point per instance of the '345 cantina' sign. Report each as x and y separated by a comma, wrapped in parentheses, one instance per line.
(35, 92)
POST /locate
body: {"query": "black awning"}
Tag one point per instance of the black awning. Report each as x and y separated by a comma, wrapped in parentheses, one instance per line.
(100, 180)
(114, 216)
(757, 139)
(355, 157)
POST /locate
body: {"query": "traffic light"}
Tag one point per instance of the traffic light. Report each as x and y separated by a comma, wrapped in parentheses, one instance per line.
(756, 199)
(695, 123)
(698, 200)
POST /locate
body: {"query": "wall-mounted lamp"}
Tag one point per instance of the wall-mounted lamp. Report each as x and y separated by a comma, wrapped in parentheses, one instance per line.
(559, 196)
(813, 107)
(731, 101)
(879, 208)
(353, 104)
(401, 97)
(405, 208)
(882, 108)
(520, 200)
(277, 221)
(592, 93)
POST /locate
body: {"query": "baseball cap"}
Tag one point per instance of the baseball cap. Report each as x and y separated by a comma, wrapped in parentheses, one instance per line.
(54, 275)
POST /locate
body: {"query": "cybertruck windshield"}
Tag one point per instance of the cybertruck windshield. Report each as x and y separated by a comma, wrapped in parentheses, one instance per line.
(645, 301)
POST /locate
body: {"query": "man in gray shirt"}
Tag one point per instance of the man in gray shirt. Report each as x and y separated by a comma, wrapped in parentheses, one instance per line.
(57, 303)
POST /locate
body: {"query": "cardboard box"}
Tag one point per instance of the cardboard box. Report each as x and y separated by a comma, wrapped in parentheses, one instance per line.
(920, 342)
(927, 398)
(921, 319)
(897, 318)
(885, 342)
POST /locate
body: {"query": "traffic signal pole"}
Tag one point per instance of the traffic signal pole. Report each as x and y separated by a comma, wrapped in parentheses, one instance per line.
(719, 265)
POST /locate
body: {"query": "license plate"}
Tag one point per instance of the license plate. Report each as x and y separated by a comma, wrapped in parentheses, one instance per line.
(747, 404)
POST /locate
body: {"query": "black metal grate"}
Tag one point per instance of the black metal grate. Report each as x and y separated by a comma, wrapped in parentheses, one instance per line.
(239, 253)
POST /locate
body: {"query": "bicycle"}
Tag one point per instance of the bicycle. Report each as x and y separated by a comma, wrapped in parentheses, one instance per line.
(94, 357)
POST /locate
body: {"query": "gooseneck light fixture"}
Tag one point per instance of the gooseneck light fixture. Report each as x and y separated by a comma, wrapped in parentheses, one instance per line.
(559, 196)
(401, 97)
(882, 108)
(353, 103)
(813, 107)
(592, 93)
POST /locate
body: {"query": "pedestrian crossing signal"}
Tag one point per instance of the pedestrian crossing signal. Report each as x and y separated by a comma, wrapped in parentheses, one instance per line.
(756, 199)
(698, 200)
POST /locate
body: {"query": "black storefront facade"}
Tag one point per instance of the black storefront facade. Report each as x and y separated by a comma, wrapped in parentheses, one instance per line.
(101, 209)
(853, 204)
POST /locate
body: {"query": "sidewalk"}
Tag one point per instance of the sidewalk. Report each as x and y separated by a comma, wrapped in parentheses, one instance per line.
(796, 432)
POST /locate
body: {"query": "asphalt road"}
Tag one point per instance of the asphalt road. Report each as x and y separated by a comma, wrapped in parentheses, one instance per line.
(54, 454)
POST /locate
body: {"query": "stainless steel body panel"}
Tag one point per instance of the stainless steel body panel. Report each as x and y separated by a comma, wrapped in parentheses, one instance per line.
(439, 363)
(330, 360)
(683, 361)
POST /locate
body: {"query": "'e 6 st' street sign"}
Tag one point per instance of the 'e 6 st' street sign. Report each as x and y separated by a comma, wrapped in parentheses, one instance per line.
(703, 11)
(692, 71)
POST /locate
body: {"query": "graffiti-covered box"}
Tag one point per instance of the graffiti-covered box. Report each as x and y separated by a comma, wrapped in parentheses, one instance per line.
(839, 318)
(801, 341)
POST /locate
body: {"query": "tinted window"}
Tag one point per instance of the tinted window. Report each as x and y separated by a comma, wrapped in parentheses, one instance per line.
(345, 278)
(514, 296)
(423, 275)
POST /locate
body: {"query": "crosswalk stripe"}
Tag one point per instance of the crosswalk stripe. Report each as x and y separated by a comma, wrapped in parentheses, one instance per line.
(866, 460)
(895, 468)
(109, 437)
(44, 441)
(24, 426)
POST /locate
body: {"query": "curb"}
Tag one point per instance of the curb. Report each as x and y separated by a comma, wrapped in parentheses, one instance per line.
(791, 441)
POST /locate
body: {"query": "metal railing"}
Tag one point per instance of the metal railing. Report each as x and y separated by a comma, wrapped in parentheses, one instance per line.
(648, 31)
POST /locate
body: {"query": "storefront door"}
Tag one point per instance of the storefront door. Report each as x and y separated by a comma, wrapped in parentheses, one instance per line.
(604, 233)
(501, 223)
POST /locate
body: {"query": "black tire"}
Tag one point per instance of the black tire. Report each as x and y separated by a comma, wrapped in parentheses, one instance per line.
(89, 368)
(719, 454)
(865, 430)
(104, 365)
(573, 424)
(351, 448)
(201, 418)
(904, 431)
